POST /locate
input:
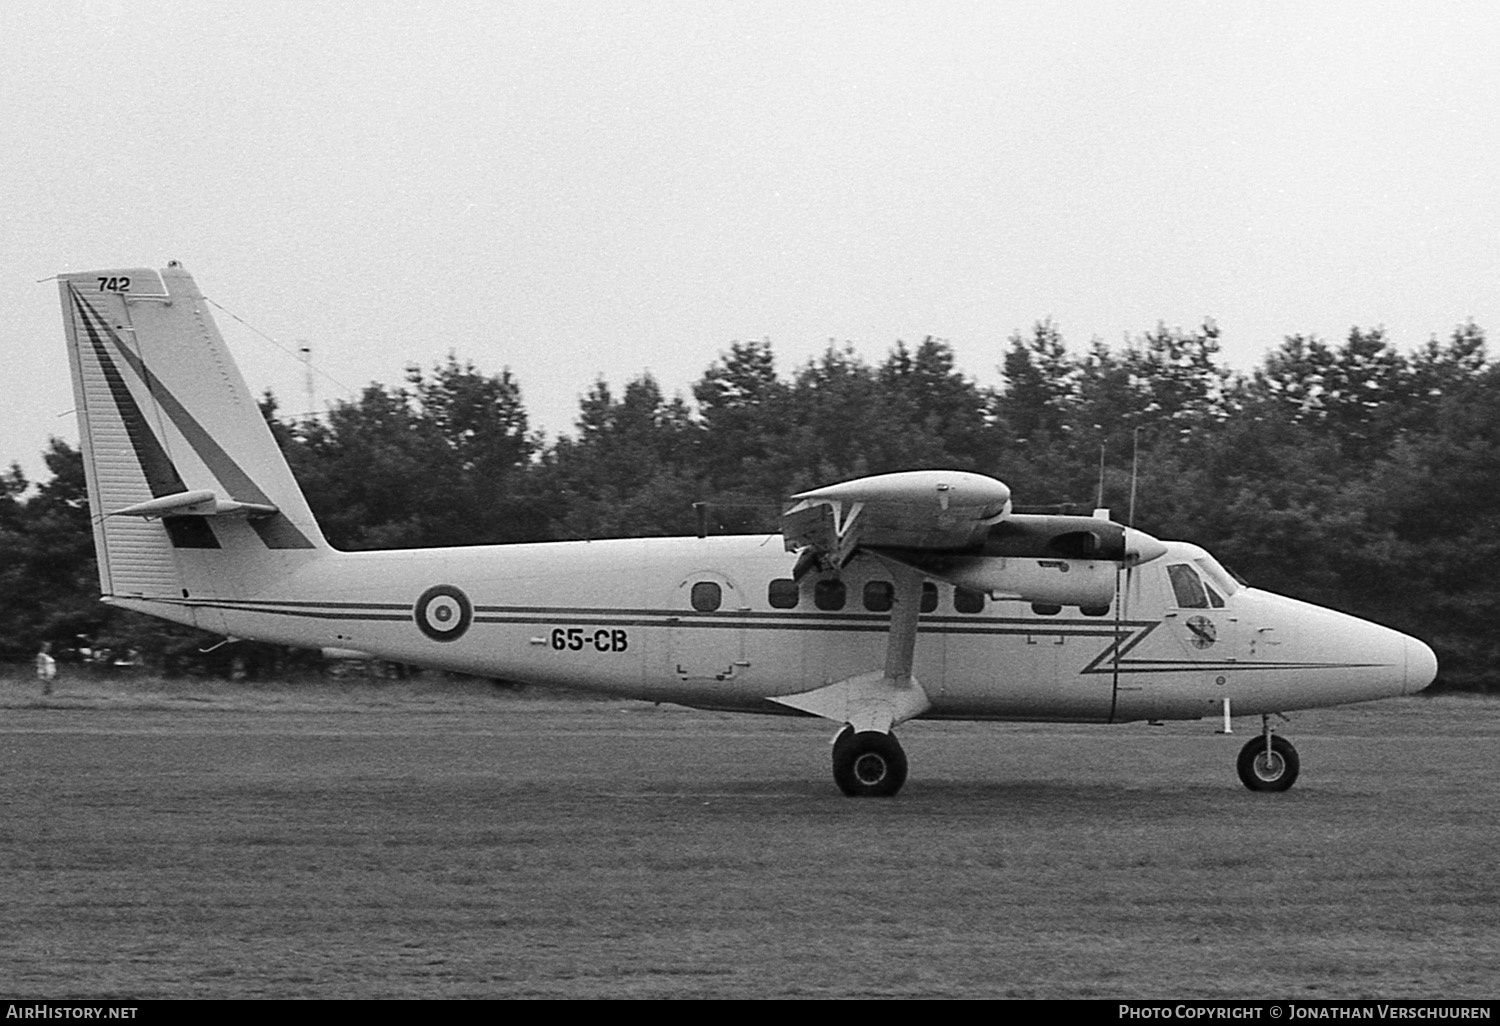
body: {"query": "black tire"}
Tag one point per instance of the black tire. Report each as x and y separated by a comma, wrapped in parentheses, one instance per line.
(1274, 772)
(868, 764)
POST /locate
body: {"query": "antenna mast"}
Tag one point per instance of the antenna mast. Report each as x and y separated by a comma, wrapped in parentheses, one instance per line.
(1099, 497)
(1135, 466)
(308, 385)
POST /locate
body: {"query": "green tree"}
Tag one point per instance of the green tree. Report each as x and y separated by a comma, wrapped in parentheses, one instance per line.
(1040, 385)
(938, 417)
(49, 583)
(1176, 379)
(629, 471)
(839, 424)
(442, 461)
(745, 411)
(1347, 391)
(1433, 503)
(1436, 372)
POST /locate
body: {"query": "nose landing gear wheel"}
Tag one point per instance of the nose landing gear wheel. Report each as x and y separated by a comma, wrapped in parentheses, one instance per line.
(868, 763)
(1274, 770)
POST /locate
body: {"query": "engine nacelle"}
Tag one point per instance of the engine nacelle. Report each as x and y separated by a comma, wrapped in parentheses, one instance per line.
(1048, 559)
(1073, 538)
(1060, 582)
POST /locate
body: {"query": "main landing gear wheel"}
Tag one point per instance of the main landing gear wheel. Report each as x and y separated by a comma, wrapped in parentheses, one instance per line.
(1274, 770)
(868, 764)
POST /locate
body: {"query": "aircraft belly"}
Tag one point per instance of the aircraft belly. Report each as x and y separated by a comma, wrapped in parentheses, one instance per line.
(177, 612)
(1175, 695)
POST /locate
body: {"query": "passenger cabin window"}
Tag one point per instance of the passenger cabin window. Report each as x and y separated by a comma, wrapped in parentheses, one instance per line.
(783, 593)
(707, 596)
(1190, 591)
(880, 596)
(829, 595)
(1045, 609)
(966, 601)
(1094, 610)
(929, 596)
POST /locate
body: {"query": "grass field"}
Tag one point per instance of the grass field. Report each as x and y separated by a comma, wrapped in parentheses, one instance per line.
(441, 839)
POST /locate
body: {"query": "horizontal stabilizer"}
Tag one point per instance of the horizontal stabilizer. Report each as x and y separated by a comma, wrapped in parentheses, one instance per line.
(200, 502)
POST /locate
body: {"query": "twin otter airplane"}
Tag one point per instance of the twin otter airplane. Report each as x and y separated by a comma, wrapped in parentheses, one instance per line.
(888, 598)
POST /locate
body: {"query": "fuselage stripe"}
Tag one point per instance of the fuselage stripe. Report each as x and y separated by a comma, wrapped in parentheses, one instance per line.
(1111, 660)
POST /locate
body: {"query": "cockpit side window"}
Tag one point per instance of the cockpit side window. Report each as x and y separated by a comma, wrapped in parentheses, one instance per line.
(1187, 587)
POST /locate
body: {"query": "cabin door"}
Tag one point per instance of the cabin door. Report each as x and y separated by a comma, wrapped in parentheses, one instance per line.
(1211, 637)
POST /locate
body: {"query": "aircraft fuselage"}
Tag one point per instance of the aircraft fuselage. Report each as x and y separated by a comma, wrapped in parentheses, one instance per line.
(719, 623)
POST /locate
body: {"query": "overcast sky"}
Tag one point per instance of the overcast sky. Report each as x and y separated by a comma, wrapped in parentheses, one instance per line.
(584, 189)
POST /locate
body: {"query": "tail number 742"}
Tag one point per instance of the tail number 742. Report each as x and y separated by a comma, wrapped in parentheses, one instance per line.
(575, 639)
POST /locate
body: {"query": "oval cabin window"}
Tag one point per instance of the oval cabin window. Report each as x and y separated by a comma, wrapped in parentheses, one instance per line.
(782, 593)
(966, 601)
(829, 595)
(707, 596)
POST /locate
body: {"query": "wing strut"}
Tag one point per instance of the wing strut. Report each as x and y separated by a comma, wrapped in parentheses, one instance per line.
(880, 699)
(901, 645)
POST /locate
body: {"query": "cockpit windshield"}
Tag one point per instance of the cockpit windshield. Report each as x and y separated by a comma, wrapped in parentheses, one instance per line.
(1222, 579)
(1190, 590)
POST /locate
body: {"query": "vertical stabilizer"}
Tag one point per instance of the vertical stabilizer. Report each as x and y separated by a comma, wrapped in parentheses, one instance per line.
(188, 489)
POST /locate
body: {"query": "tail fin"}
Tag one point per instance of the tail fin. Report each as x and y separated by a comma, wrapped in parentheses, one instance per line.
(189, 493)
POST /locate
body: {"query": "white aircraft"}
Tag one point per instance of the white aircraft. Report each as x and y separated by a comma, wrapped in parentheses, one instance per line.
(885, 599)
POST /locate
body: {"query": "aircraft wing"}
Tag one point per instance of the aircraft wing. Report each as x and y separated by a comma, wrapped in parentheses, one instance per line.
(952, 525)
(930, 510)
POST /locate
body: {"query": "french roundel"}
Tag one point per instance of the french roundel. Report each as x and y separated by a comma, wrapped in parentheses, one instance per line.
(443, 613)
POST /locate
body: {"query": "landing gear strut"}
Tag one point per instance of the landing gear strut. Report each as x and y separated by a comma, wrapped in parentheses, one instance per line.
(867, 763)
(1268, 762)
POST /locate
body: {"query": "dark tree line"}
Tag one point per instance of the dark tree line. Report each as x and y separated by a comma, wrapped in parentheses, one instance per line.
(1349, 474)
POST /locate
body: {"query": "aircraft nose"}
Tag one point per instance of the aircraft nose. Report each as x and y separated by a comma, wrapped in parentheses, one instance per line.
(1421, 666)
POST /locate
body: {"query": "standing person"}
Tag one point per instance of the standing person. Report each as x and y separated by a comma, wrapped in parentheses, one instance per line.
(46, 667)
